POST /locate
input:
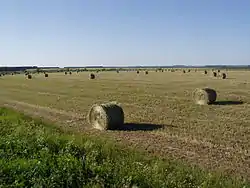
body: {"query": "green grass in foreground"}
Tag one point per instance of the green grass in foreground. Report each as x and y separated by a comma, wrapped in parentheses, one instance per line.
(33, 154)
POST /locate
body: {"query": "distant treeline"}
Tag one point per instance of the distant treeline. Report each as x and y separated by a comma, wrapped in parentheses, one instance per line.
(27, 68)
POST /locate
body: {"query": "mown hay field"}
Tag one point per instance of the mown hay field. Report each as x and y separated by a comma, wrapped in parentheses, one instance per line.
(162, 119)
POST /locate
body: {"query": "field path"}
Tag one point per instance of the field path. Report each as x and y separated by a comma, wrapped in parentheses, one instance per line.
(232, 160)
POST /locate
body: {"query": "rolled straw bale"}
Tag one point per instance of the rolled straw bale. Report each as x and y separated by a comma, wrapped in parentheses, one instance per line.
(92, 76)
(106, 116)
(224, 76)
(204, 96)
(29, 76)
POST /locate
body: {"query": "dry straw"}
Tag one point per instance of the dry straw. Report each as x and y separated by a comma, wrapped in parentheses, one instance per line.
(108, 116)
(204, 96)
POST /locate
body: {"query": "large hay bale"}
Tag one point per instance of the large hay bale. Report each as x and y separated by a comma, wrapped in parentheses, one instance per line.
(106, 116)
(29, 76)
(214, 74)
(204, 96)
(65, 73)
(92, 76)
(46, 75)
(224, 76)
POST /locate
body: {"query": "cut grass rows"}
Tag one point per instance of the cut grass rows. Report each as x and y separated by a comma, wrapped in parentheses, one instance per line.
(33, 153)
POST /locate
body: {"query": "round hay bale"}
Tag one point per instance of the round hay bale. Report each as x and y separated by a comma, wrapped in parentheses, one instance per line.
(146, 72)
(92, 76)
(205, 72)
(106, 116)
(70, 73)
(29, 76)
(46, 75)
(184, 71)
(65, 73)
(214, 74)
(137, 72)
(224, 76)
(204, 96)
(189, 70)
(162, 70)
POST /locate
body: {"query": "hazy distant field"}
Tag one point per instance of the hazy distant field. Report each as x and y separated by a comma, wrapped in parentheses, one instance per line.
(216, 136)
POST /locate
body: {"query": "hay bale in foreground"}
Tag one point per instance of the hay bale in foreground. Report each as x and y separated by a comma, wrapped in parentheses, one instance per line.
(204, 96)
(106, 116)
(29, 76)
(92, 76)
(224, 76)
(46, 75)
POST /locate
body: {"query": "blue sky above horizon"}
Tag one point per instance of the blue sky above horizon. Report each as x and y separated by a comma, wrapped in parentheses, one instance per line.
(124, 32)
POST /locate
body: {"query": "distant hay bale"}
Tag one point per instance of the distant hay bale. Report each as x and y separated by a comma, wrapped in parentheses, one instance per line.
(184, 71)
(46, 75)
(92, 76)
(189, 70)
(214, 74)
(106, 116)
(146, 72)
(205, 72)
(224, 76)
(204, 96)
(29, 76)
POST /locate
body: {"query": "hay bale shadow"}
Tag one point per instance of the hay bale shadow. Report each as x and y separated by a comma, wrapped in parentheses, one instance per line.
(227, 103)
(140, 127)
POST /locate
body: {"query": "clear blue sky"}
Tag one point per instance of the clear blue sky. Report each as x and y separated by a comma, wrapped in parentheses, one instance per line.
(124, 32)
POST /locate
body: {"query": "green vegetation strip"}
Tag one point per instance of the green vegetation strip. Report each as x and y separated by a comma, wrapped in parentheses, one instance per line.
(35, 154)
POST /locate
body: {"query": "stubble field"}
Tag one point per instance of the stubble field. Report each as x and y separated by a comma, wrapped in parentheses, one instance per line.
(161, 116)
